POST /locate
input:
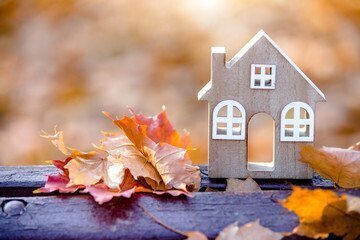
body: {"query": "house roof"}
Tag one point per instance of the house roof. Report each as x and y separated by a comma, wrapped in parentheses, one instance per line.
(242, 52)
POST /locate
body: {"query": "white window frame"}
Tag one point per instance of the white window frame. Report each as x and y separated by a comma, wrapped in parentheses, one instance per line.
(229, 120)
(296, 122)
(262, 76)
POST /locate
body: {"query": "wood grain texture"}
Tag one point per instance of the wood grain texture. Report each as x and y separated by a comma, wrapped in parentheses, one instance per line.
(79, 217)
(228, 158)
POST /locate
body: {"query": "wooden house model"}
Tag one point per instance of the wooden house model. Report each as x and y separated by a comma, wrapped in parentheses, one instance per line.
(260, 78)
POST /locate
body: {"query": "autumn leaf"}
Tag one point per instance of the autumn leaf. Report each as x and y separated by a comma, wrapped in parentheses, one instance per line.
(57, 139)
(249, 231)
(59, 183)
(172, 192)
(159, 129)
(127, 162)
(87, 168)
(162, 165)
(236, 185)
(322, 212)
(340, 165)
(102, 193)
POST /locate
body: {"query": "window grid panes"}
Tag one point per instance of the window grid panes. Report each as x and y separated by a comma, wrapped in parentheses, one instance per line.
(297, 123)
(230, 125)
(263, 76)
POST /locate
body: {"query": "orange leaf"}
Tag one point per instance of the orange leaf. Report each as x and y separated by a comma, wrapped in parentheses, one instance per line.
(322, 212)
(159, 129)
(161, 162)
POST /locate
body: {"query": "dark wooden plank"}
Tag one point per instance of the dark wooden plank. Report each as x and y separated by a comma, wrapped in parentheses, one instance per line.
(80, 217)
(25, 176)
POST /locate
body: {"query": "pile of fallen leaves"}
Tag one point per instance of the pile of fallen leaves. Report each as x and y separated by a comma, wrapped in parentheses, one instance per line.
(148, 155)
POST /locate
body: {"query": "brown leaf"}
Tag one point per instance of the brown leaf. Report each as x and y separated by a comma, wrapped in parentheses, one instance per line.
(88, 168)
(340, 165)
(236, 185)
(249, 231)
(172, 192)
(322, 212)
(167, 166)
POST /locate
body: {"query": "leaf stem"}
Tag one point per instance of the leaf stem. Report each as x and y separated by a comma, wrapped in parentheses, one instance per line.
(159, 222)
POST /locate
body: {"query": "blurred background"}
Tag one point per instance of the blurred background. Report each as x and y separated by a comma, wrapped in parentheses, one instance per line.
(63, 62)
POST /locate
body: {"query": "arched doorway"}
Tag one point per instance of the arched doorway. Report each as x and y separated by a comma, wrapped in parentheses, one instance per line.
(261, 143)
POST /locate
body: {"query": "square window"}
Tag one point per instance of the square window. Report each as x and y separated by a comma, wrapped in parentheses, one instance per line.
(262, 76)
(221, 128)
(268, 83)
(268, 70)
(236, 130)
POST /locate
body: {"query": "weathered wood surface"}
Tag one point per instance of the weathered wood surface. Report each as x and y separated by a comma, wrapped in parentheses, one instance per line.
(80, 217)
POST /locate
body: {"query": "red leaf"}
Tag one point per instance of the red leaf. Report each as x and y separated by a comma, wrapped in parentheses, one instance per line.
(58, 182)
(60, 164)
(102, 193)
(159, 129)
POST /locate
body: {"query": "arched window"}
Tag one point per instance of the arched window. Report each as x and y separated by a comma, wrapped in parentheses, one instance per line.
(297, 123)
(229, 121)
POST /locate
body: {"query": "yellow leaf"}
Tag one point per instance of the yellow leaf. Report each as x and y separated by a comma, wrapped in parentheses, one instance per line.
(249, 231)
(322, 212)
(236, 185)
(340, 165)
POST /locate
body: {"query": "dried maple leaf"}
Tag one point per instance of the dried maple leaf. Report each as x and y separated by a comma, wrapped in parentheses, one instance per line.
(57, 182)
(87, 168)
(162, 165)
(159, 129)
(322, 212)
(236, 185)
(249, 231)
(340, 165)
(127, 162)
(102, 193)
